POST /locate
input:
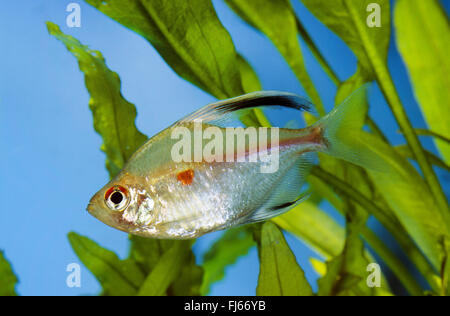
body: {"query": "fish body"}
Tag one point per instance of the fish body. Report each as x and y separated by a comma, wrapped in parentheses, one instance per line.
(160, 193)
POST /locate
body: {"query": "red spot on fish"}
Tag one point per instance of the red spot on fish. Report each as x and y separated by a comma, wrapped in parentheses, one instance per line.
(186, 177)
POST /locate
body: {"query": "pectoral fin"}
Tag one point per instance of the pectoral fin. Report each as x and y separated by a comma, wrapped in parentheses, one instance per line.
(288, 192)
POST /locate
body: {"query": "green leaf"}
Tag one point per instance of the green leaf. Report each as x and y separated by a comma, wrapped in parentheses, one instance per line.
(445, 269)
(406, 152)
(147, 251)
(189, 282)
(346, 273)
(426, 132)
(250, 80)
(423, 39)
(372, 48)
(314, 227)
(250, 83)
(409, 197)
(166, 270)
(382, 213)
(277, 21)
(8, 279)
(279, 272)
(338, 17)
(188, 35)
(114, 117)
(117, 277)
(233, 244)
(347, 87)
(348, 19)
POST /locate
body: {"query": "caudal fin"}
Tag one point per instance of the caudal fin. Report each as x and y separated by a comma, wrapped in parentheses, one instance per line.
(342, 132)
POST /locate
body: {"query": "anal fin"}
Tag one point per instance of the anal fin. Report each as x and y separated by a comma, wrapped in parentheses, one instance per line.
(288, 192)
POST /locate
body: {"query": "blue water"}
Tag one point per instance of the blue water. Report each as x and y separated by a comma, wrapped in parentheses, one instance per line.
(51, 163)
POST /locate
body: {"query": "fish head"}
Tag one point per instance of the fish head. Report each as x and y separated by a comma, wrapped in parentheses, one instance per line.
(124, 205)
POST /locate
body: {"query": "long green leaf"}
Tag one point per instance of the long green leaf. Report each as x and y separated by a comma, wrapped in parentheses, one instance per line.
(313, 226)
(8, 279)
(410, 199)
(392, 225)
(189, 282)
(427, 132)
(166, 270)
(339, 19)
(384, 79)
(405, 151)
(147, 251)
(423, 39)
(251, 83)
(279, 272)
(250, 80)
(188, 35)
(233, 244)
(114, 117)
(348, 20)
(277, 21)
(117, 277)
(316, 52)
(346, 273)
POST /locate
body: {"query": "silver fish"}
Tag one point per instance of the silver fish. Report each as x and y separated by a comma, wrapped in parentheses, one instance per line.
(158, 195)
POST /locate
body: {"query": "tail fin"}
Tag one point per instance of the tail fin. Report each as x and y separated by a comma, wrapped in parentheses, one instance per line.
(342, 132)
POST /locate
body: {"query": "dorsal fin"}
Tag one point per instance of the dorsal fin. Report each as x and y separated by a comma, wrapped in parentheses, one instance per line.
(218, 111)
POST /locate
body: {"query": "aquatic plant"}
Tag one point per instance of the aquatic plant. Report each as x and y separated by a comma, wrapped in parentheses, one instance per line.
(408, 201)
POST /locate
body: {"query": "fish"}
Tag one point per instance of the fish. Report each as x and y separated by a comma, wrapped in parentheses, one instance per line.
(197, 177)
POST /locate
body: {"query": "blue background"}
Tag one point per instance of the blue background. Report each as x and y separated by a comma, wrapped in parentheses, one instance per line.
(51, 163)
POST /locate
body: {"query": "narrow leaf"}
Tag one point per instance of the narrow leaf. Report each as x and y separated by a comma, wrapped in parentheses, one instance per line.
(423, 39)
(188, 35)
(346, 272)
(277, 21)
(279, 272)
(117, 277)
(189, 282)
(234, 243)
(406, 152)
(409, 197)
(147, 251)
(114, 117)
(250, 81)
(339, 19)
(8, 279)
(426, 132)
(314, 227)
(166, 270)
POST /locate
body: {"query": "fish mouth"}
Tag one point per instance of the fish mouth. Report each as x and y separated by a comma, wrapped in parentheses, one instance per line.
(89, 207)
(114, 220)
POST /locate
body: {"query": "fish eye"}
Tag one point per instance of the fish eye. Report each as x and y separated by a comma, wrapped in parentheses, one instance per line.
(116, 198)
